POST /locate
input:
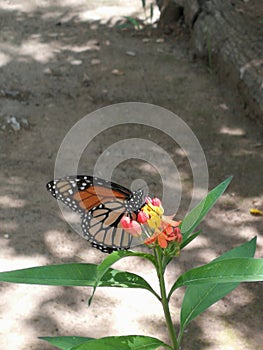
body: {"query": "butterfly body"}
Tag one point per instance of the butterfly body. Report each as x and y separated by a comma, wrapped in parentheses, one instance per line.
(101, 205)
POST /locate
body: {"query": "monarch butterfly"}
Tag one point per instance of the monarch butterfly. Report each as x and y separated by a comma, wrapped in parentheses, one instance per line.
(101, 205)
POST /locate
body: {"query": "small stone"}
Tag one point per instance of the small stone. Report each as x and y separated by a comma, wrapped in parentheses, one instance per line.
(95, 61)
(130, 53)
(117, 72)
(48, 71)
(12, 121)
(160, 40)
(223, 106)
(25, 122)
(12, 93)
(145, 40)
(76, 62)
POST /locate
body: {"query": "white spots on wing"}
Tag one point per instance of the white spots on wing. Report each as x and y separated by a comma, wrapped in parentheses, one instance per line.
(95, 227)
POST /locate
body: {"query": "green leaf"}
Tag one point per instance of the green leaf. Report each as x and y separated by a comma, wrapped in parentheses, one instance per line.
(196, 215)
(66, 343)
(137, 342)
(225, 271)
(74, 274)
(198, 298)
(245, 250)
(202, 299)
(125, 26)
(111, 259)
(133, 21)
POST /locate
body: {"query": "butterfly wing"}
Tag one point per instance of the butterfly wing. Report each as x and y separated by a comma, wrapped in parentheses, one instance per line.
(101, 226)
(101, 204)
(81, 193)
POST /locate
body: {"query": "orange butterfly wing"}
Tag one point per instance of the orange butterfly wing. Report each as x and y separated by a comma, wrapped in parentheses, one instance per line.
(94, 195)
(101, 204)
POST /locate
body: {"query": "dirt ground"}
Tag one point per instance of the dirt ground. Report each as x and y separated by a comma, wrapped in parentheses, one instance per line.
(60, 61)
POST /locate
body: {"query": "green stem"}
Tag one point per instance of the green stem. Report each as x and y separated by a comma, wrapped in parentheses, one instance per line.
(180, 336)
(164, 301)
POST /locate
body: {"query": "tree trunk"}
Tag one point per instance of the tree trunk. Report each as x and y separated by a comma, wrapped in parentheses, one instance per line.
(229, 34)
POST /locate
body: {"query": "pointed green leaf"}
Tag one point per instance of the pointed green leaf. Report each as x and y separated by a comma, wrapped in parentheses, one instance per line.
(203, 296)
(74, 274)
(225, 271)
(198, 298)
(196, 215)
(66, 343)
(120, 254)
(111, 259)
(128, 342)
(133, 21)
(245, 250)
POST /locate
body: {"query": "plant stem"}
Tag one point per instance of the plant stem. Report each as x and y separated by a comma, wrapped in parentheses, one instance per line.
(164, 301)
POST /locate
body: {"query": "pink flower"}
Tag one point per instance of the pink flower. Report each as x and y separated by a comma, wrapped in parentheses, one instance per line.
(177, 234)
(131, 226)
(156, 202)
(142, 217)
(125, 222)
(148, 200)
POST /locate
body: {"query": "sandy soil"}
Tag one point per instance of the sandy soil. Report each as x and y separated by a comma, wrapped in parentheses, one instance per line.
(56, 64)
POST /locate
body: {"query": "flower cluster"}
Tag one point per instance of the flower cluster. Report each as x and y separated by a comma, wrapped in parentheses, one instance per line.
(159, 229)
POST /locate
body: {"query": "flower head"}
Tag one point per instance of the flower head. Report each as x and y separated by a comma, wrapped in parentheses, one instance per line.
(154, 212)
(160, 229)
(131, 226)
(142, 217)
(168, 234)
(156, 202)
